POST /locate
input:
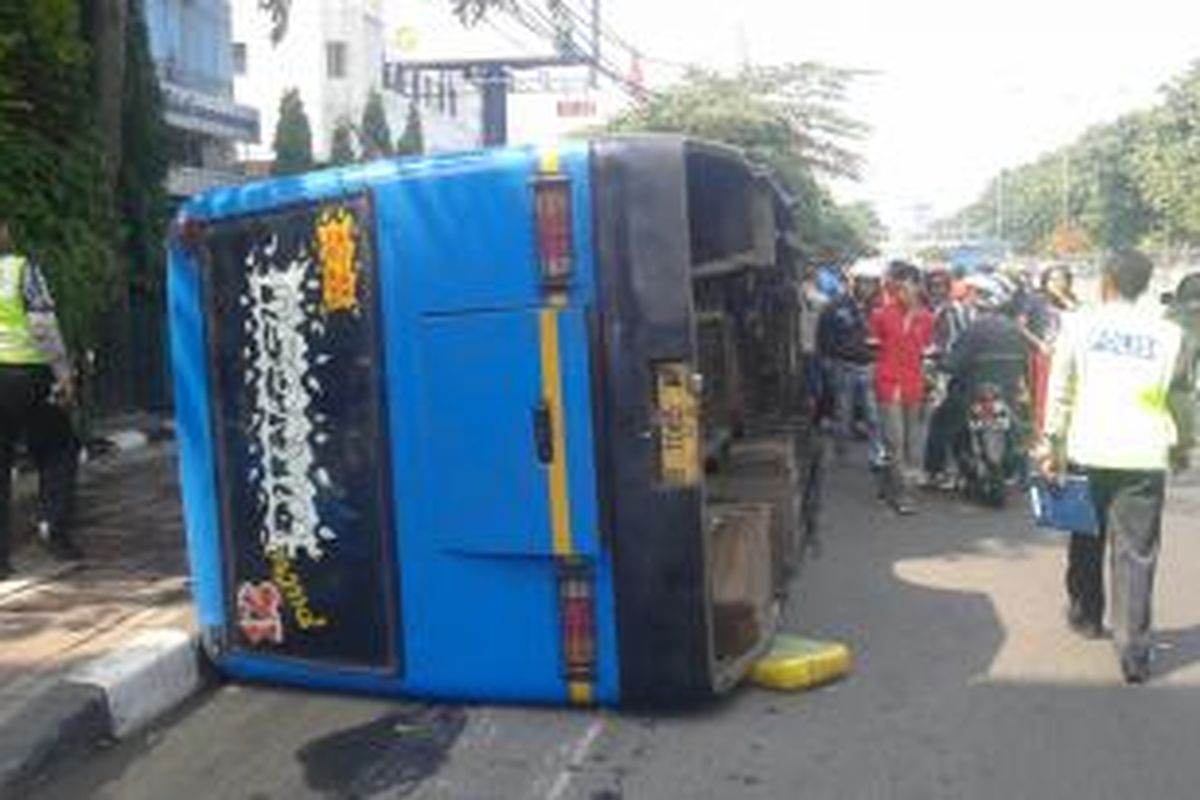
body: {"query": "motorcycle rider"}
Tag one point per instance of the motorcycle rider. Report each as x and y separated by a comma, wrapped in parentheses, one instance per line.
(990, 350)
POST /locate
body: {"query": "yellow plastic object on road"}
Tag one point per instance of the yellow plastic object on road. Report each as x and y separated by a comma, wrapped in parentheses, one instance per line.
(795, 664)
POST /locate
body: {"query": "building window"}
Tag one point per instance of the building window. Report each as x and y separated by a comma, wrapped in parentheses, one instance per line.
(453, 101)
(335, 59)
(441, 100)
(239, 58)
(427, 92)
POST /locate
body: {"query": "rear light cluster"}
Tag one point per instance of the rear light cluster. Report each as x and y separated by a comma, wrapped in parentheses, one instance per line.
(577, 615)
(552, 209)
(190, 233)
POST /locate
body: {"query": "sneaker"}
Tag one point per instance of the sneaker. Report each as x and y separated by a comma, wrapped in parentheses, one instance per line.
(1135, 667)
(59, 547)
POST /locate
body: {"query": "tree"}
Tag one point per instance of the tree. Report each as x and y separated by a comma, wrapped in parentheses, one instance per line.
(54, 186)
(279, 11)
(1134, 181)
(143, 206)
(1168, 162)
(472, 11)
(341, 149)
(374, 132)
(293, 136)
(788, 118)
(412, 141)
(865, 223)
(83, 166)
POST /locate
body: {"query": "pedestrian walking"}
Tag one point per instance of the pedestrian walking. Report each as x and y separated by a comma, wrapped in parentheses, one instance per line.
(902, 330)
(812, 302)
(1118, 362)
(842, 340)
(1042, 320)
(35, 389)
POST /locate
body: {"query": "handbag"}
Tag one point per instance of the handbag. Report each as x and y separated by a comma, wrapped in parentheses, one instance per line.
(1064, 505)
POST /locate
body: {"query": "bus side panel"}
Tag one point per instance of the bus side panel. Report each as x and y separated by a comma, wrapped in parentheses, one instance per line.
(197, 468)
(464, 322)
(660, 572)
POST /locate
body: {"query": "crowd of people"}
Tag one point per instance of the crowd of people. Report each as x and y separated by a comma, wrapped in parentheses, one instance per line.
(901, 355)
(897, 350)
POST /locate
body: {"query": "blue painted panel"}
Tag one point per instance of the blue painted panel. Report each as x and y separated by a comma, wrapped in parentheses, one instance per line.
(482, 488)
(459, 298)
(193, 433)
(575, 367)
(474, 229)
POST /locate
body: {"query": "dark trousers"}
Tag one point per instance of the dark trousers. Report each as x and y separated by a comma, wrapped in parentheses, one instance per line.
(1129, 508)
(27, 414)
(947, 423)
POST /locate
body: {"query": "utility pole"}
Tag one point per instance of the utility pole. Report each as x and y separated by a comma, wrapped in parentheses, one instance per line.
(1066, 187)
(494, 86)
(595, 42)
(1000, 207)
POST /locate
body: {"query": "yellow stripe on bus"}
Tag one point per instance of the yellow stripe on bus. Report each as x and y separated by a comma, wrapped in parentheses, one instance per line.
(580, 693)
(549, 162)
(560, 506)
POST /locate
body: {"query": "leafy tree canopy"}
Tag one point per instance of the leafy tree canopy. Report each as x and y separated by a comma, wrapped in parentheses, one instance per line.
(786, 117)
(412, 141)
(293, 136)
(375, 134)
(341, 149)
(1134, 181)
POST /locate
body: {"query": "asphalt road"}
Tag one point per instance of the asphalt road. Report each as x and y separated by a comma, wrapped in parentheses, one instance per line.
(966, 685)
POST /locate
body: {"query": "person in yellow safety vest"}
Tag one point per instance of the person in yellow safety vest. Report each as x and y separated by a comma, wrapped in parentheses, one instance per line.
(35, 389)
(1120, 362)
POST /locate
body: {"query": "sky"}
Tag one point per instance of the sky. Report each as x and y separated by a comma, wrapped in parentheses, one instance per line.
(958, 89)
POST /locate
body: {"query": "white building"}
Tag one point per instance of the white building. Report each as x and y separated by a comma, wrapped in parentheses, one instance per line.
(189, 42)
(334, 53)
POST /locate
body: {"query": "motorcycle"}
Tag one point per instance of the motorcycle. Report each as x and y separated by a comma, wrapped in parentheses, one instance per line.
(988, 452)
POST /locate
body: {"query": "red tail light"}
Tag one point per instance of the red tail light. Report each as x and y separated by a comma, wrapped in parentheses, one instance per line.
(576, 605)
(552, 209)
(190, 232)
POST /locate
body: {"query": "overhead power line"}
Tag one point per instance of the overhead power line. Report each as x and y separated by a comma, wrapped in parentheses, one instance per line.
(540, 23)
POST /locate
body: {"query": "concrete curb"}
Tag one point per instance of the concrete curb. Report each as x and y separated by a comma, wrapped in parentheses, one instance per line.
(110, 697)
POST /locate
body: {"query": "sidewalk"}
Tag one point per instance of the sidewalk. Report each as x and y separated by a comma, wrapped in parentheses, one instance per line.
(55, 617)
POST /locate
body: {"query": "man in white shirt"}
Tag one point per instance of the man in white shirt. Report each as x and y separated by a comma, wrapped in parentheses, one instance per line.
(1117, 398)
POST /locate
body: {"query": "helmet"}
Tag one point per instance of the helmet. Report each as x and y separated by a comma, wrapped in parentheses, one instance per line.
(829, 281)
(992, 293)
(870, 268)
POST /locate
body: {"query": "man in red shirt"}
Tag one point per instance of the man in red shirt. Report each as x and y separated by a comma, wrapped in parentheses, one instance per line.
(902, 330)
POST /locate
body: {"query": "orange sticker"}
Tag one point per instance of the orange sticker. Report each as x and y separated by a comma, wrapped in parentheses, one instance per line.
(336, 248)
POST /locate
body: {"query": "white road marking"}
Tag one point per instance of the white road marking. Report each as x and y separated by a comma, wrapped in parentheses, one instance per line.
(579, 752)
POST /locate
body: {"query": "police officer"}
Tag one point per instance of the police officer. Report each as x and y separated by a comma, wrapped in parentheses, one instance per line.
(1118, 362)
(35, 388)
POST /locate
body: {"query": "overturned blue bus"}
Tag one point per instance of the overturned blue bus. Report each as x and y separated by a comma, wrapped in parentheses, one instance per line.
(517, 425)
